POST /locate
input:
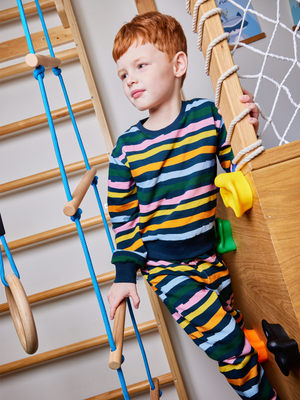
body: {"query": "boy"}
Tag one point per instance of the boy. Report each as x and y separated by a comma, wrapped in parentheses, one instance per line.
(162, 200)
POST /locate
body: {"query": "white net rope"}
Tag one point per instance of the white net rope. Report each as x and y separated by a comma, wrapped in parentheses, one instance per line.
(271, 65)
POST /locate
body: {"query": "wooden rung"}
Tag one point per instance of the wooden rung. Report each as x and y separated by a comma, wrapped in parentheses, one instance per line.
(16, 69)
(115, 357)
(62, 13)
(53, 173)
(154, 394)
(42, 118)
(21, 68)
(35, 60)
(72, 206)
(54, 233)
(133, 389)
(29, 8)
(71, 349)
(18, 47)
(61, 290)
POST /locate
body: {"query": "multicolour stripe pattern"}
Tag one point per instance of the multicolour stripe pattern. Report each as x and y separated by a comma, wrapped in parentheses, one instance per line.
(199, 296)
(161, 194)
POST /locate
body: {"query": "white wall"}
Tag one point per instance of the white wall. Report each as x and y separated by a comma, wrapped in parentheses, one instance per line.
(27, 211)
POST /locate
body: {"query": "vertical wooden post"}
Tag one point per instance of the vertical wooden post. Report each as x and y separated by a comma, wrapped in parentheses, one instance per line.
(144, 6)
(221, 60)
(89, 76)
(163, 330)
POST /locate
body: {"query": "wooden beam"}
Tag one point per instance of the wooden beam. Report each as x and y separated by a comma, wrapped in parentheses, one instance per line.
(16, 48)
(54, 233)
(59, 4)
(144, 6)
(42, 118)
(61, 290)
(221, 60)
(133, 389)
(71, 349)
(29, 8)
(52, 173)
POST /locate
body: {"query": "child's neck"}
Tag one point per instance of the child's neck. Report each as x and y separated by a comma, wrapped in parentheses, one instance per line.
(164, 116)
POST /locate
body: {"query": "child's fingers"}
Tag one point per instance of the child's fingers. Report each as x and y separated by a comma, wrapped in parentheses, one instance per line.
(135, 300)
(112, 311)
(254, 122)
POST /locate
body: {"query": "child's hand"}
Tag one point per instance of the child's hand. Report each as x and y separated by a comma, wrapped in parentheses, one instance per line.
(247, 99)
(120, 291)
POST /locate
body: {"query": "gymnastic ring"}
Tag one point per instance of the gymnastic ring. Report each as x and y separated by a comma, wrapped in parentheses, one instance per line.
(21, 314)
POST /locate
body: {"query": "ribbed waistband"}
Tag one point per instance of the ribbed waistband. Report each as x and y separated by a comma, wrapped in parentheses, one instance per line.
(180, 250)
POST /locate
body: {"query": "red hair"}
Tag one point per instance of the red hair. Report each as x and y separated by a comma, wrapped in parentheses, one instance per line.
(163, 31)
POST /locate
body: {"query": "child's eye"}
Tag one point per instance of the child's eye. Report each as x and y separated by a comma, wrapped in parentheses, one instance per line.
(123, 76)
(141, 66)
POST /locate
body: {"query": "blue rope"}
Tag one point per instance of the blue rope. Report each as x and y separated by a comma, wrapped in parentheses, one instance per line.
(134, 324)
(44, 28)
(10, 259)
(39, 75)
(25, 26)
(94, 184)
(2, 273)
(57, 72)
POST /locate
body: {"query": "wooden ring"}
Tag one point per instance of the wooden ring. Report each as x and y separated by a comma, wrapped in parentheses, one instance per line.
(21, 314)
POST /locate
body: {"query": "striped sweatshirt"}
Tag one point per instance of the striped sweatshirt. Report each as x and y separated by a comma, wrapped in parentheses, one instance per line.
(161, 192)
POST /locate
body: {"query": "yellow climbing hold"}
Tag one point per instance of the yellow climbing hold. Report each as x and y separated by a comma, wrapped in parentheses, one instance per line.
(235, 191)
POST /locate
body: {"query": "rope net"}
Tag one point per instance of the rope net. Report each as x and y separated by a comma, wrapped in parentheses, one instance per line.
(269, 67)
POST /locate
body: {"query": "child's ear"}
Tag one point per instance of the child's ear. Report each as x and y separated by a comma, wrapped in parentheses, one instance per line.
(180, 64)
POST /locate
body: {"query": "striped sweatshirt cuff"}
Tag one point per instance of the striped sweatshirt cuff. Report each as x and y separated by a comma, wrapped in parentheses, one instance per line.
(126, 272)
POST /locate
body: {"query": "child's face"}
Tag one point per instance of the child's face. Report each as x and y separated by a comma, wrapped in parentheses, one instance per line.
(147, 76)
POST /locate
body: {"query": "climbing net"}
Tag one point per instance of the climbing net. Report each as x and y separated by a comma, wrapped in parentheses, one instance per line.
(271, 65)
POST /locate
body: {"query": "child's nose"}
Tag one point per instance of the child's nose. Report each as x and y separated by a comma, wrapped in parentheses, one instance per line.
(131, 79)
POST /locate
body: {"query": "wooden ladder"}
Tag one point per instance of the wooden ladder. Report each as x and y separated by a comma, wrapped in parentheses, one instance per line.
(12, 49)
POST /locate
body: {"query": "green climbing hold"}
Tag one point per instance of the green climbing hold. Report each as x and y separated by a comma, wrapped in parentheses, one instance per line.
(223, 234)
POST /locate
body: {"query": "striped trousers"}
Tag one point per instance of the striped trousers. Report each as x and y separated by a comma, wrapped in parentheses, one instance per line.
(199, 296)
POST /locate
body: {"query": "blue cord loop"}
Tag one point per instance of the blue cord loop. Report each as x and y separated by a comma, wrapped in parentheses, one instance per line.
(10, 259)
(77, 215)
(39, 71)
(2, 274)
(8, 254)
(56, 71)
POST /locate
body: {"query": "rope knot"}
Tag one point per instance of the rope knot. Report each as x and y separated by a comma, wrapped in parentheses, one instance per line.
(95, 180)
(77, 215)
(56, 71)
(39, 71)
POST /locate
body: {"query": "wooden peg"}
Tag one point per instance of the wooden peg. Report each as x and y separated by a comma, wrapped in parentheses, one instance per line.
(115, 357)
(59, 4)
(35, 60)
(21, 314)
(72, 206)
(154, 394)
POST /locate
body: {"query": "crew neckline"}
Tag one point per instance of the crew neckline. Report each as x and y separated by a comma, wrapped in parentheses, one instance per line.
(162, 130)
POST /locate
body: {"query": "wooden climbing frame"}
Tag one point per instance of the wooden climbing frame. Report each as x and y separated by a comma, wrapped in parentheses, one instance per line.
(265, 281)
(69, 32)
